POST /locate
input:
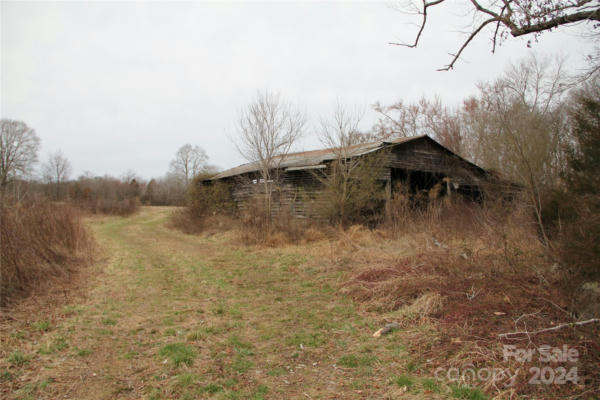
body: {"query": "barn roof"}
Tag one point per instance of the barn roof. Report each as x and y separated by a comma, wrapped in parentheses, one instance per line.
(314, 158)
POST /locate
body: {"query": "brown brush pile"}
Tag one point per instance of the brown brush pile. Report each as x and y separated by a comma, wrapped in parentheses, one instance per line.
(39, 242)
(455, 277)
(122, 208)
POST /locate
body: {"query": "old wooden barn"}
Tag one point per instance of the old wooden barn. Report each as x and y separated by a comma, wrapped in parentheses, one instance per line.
(419, 162)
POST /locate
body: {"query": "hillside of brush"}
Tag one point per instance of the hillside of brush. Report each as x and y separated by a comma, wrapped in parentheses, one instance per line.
(457, 281)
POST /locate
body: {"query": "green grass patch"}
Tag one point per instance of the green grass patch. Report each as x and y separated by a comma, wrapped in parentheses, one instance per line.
(41, 326)
(17, 335)
(276, 372)
(187, 379)
(211, 388)
(430, 384)
(413, 366)
(109, 321)
(354, 361)
(202, 333)
(240, 347)
(69, 310)
(404, 381)
(5, 375)
(466, 393)
(213, 330)
(83, 352)
(57, 344)
(235, 311)
(18, 358)
(178, 353)
(27, 391)
(170, 332)
(130, 355)
(241, 365)
(230, 383)
(218, 310)
(260, 392)
(45, 383)
(309, 339)
(196, 336)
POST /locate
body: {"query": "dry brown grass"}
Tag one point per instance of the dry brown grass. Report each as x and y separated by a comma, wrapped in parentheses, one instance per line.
(256, 228)
(251, 225)
(188, 222)
(39, 242)
(454, 275)
(464, 274)
(283, 302)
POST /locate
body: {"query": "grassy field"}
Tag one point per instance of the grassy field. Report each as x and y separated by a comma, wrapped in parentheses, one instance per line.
(169, 315)
(166, 315)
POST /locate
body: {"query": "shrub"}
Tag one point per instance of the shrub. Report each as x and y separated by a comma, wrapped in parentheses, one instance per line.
(209, 206)
(122, 208)
(212, 198)
(39, 241)
(352, 191)
(578, 245)
(572, 211)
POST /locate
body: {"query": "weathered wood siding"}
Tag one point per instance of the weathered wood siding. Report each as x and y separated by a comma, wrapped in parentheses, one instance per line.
(298, 190)
(426, 156)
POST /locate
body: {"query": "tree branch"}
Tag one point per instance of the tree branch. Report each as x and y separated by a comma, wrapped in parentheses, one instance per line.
(498, 23)
(554, 328)
(593, 15)
(466, 43)
(538, 16)
(426, 5)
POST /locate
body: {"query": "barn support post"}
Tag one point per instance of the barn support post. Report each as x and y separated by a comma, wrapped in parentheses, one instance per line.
(388, 195)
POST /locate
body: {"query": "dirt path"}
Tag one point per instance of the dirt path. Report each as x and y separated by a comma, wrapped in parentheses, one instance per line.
(178, 316)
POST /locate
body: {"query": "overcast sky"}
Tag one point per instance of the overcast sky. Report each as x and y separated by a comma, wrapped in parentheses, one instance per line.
(122, 85)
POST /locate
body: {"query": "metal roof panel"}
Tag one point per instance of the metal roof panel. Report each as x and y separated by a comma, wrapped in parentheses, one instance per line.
(314, 157)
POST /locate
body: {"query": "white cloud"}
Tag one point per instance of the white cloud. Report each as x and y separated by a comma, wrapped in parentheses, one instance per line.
(121, 86)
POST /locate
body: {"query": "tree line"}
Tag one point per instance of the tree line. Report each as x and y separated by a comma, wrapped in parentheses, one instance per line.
(22, 177)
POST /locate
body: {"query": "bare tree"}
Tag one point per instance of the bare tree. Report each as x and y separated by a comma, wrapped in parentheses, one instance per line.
(592, 69)
(56, 170)
(511, 17)
(268, 128)
(425, 117)
(19, 146)
(188, 162)
(518, 124)
(350, 185)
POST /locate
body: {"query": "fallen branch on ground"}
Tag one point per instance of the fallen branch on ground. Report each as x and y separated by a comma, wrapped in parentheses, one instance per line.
(554, 328)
